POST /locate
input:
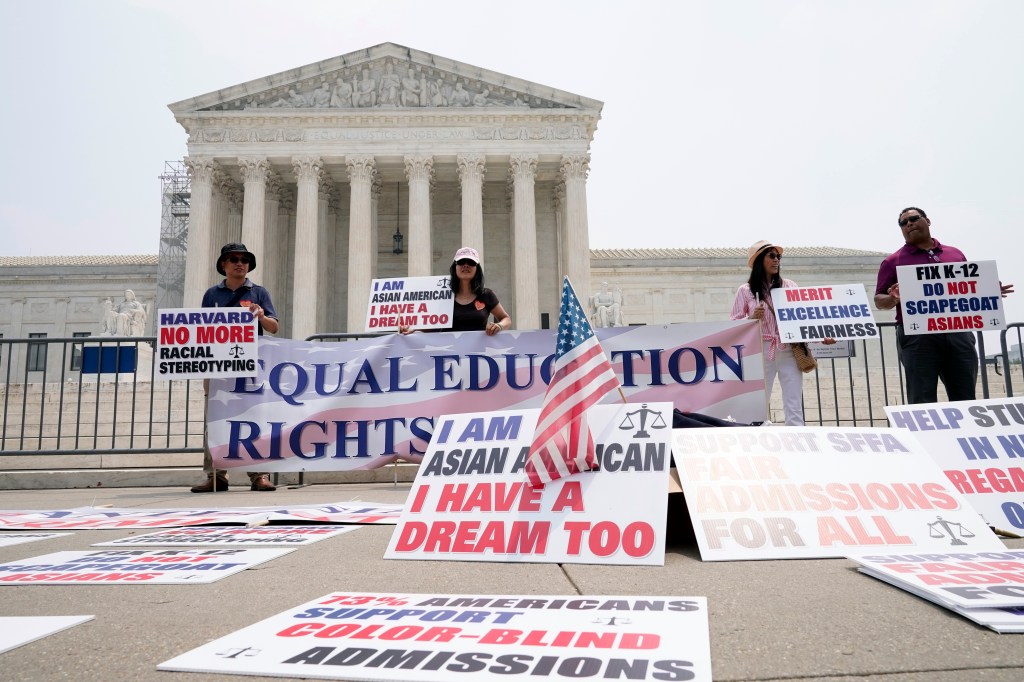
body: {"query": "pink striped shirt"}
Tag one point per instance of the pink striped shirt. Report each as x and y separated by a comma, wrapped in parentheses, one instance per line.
(745, 304)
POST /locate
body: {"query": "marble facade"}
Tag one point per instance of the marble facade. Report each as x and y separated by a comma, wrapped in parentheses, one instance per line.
(317, 168)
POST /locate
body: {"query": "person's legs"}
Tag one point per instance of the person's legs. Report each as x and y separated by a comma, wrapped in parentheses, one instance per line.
(771, 369)
(920, 358)
(222, 476)
(958, 369)
(791, 380)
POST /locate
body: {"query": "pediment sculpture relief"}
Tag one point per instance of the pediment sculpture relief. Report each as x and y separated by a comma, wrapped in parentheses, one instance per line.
(387, 84)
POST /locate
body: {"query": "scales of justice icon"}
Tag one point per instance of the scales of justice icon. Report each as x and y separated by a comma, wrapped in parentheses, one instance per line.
(941, 528)
(642, 415)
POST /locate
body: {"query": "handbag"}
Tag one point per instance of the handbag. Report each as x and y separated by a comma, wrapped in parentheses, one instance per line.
(804, 359)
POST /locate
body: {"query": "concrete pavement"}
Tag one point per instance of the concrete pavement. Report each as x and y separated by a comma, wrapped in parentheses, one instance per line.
(769, 620)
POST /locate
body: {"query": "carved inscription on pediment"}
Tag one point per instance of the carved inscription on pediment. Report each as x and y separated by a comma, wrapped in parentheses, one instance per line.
(263, 135)
(387, 84)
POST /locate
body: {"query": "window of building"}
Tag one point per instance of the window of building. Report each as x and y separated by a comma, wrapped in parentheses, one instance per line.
(76, 351)
(37, 354)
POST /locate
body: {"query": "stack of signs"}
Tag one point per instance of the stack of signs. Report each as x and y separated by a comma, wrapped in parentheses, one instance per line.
(8, 539)
(793, 492)
(980, 447)
(264, 536)
(986, 587)
(435, 637)
(472, 501)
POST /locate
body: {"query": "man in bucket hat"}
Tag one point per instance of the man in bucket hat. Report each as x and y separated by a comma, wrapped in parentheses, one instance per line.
(237, 290)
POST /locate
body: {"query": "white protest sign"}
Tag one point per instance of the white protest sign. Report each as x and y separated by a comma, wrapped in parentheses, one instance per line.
(265, 536)
(471, 500)
(18, 630)
(139, 566)
(441, 637)
(796, 492)
(980, 446)
(206, 343)
(967, 579)
(950, 297)
(839, 311)
(419, 302)
(8, 539)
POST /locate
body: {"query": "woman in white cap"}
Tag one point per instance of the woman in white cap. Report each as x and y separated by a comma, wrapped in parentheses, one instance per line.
(752, 299)
(474, 303)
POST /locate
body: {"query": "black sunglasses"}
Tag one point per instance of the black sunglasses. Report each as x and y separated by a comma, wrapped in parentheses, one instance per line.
(237, 259)
(465, 261)
(909, 219)
(773, 255)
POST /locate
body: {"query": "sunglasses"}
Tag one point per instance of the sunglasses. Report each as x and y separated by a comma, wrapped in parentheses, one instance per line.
(237, 259)
(774, 256)
(909, 219)
(465, 261)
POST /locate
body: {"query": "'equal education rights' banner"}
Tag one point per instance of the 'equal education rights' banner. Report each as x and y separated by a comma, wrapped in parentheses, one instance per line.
(980, 446)
(205, 343)
(839, 311)
(796, 492)
(950, 297)
(362, 404)
(483, 638)
(472, 500)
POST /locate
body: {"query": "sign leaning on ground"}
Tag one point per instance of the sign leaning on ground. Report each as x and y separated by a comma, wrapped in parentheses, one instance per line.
(206, 343)
(950, 297)
(839, 311)
(980, 446)
(795, 492)
(417, 302)
(472, 501)
(486, 638)
(18, 630)
(264, 536)
(8, 539)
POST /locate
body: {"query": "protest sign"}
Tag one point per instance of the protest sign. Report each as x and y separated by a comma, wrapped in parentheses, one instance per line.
(109, 517)
(795, 492)
(264, 536)
(362, 404)
(472, 500)
(444, 637)
(821, 351)
(950, 297)
(206, 343)
(8, 539)
(134, 566)
(838, 311)
(967, 579)
(980, 446)
(417, 302)
(18, 630)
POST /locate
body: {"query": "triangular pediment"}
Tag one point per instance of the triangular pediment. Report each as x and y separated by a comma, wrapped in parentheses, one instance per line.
(387, 76)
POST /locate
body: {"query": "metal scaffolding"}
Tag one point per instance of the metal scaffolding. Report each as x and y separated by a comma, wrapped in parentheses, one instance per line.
(175, 199)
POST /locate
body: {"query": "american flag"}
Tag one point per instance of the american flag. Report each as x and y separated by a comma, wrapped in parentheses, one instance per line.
(562, 444)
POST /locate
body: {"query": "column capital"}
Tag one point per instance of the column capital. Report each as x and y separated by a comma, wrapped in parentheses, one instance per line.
(523, 166)
(575, 166)
(201, 169)
(254, 169)
(361, 168)
(559, 194)
(376, 187)
(275, 186)
(419, 167)
(471, 166)
(326, 184)
(307, 168)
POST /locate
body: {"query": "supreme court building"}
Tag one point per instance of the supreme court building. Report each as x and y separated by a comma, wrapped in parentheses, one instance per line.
(382, 163)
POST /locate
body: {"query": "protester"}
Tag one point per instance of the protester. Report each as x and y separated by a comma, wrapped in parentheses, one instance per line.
(474, 303)
(752, 300)
(927, 358)
(236, 290)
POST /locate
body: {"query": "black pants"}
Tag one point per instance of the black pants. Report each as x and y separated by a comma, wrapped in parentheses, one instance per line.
(929, 358)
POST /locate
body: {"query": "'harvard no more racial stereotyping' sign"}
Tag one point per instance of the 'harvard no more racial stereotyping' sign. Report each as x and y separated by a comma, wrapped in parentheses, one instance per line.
(472, 501)
(950, 297)
(206, 343)
(416, 302)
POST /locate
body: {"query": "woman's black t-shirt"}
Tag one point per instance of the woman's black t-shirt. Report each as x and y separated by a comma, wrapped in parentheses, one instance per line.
(472, 317)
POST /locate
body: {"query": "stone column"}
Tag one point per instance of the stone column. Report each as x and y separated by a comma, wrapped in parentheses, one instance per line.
(471, 176)
(524, 248)
(304, 273)
(577, 240)
(199, 259)
(270, 268)
(325, 261)
(375, 191)
(420, 171)
(254, 206)
(361, 173)
(561, 239)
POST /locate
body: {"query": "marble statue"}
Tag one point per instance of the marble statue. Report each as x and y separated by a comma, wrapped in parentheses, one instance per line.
(321, 97)
(459, 96)
(127, 318)
(481, 99)
(390, 85)
(606, 307)
(342, 95)
(411, 90)
(366, 91)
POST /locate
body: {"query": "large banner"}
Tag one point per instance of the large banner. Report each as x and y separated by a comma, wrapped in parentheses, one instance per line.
(486, 638)
(472, 500)
(362, 404)
(980, 446)
(795, 492)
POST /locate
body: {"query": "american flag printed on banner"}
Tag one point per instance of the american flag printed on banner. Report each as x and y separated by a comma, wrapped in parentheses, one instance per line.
(562, 443)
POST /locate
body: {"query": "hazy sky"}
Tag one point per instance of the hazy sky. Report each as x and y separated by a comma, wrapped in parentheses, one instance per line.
(805, 123)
